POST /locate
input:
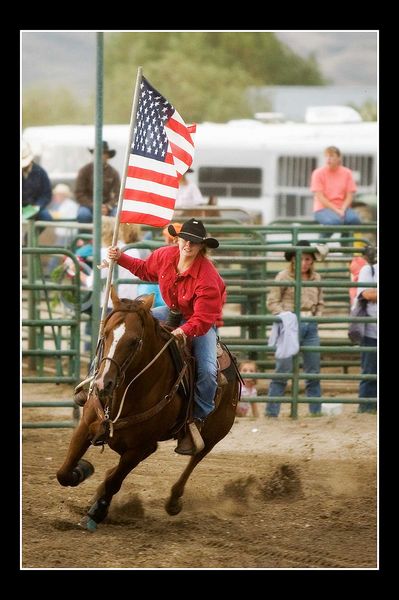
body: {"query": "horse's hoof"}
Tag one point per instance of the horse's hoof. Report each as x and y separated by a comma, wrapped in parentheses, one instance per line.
(88, 524)
(84, 469)
(173, 507)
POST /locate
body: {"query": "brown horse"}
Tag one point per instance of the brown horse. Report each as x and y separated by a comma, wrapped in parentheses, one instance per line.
(136, 401)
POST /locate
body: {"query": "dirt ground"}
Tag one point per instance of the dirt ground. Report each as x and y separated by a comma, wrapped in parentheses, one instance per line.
(274, 494)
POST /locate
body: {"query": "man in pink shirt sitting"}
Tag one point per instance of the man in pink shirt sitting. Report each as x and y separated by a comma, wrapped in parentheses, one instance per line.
(333, 186)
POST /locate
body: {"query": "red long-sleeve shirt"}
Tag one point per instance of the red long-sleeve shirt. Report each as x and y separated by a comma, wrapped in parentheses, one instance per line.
(199, 293)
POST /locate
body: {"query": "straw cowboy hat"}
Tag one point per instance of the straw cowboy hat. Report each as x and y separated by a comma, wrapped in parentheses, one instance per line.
(106, 150)
(194, 231)
(62, 188)
(26, 155)
(320, 251)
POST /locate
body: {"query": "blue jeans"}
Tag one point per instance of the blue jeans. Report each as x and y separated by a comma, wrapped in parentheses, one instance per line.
(43, 215)
(368, 389)
(204, 351)
(326, 216)
(308, 336)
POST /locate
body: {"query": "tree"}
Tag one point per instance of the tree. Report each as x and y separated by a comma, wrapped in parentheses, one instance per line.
(204, 74)
(53, 106)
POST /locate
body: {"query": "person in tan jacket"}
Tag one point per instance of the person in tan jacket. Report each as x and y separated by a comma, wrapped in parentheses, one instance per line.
(281, 299)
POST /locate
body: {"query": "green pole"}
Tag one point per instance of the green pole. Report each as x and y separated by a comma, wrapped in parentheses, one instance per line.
(98, 193)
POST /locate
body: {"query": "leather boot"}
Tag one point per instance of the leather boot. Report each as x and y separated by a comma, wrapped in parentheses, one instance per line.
(192, 442)
(80, 397)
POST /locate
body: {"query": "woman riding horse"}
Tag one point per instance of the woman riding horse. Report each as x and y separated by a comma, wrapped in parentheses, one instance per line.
(190, 285)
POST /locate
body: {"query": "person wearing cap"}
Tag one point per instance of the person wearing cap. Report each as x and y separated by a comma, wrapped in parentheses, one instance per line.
(333, 187)
(84, 187)
(36, 186)
(191, 285)
(188, 194)
(281, 299)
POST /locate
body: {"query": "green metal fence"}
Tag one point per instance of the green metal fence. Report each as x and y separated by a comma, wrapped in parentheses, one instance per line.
(248, 258)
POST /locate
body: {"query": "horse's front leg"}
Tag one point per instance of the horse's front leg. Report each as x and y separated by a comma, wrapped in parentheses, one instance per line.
(74, 470)
(112, 484)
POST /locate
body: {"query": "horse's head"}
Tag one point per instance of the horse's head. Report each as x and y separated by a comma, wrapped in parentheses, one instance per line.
(122, 340)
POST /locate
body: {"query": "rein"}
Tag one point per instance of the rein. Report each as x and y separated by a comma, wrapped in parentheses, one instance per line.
(121, 371)
(138, 375)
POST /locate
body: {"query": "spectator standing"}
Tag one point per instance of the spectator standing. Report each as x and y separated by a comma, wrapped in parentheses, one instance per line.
(369, 274)
(354, 268)
(248, 389)
(333, 187)
(85, 185)
(280, 300)
(36, 187)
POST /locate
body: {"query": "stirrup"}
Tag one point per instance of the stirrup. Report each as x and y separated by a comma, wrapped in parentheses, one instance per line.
(192, 442)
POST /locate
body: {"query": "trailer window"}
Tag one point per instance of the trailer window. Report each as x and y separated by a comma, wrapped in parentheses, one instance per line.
(230, 181)
(295, 171)
(362, 166)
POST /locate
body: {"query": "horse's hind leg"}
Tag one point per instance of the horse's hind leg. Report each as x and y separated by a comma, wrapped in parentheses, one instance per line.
(174, 504)
(74, 471)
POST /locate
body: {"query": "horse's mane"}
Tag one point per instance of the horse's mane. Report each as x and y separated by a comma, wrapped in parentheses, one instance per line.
(137, 306)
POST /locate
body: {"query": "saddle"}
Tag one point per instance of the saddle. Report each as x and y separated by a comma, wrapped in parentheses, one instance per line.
(227, 371)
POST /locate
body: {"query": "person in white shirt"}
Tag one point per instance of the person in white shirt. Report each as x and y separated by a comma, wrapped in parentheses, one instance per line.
(62, 206)
(188, 194)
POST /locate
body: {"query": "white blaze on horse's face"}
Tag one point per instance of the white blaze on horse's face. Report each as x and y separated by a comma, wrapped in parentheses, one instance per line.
(117, 333)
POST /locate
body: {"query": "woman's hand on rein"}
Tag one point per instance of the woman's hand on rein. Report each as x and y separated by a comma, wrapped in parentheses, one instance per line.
(179, 333)
(113, 253)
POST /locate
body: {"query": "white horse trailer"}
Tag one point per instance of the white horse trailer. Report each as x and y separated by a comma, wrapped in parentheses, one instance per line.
(263, 168)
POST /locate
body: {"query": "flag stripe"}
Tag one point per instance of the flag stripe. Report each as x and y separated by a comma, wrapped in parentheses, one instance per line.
(178, 140)
(180, 129)
(167, 167)
(151, 209)
(142, 185)
(181, 167)
(182, 155)
(146, 174)
(143, 219)
(162, 150)
(149, 197)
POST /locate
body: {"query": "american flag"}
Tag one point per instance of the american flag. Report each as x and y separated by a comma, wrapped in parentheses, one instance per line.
(162, 151)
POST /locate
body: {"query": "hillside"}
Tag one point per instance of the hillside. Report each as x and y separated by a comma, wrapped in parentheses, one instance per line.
(69, 58)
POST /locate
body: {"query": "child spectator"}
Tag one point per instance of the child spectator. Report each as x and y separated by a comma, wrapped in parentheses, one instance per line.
(248, 389)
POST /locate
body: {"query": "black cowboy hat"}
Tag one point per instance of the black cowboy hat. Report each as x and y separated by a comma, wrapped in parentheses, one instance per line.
(194, 231)
(320, 251)
(111, 153)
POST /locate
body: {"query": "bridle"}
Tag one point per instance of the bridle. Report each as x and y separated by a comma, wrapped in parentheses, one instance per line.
(121, 369)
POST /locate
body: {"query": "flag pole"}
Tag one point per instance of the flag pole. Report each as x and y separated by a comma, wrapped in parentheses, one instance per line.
(120, 201)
